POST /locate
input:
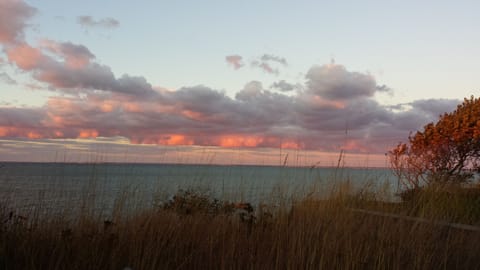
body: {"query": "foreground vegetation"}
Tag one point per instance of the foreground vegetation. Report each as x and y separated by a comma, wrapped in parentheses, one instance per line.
(195, 231)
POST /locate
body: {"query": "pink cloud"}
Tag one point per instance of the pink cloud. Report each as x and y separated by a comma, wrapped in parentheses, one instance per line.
(88, 133)
(266, 67)
(74, 70)
(25, 56)
(234, 60)
(354, 145)
(13, 17)
(240, 141)
(61, 65)
(269, 64)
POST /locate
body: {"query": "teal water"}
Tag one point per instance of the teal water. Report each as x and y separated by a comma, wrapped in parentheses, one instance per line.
(25, 185)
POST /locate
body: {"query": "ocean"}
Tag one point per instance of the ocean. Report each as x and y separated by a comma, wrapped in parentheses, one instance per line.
(106, 185)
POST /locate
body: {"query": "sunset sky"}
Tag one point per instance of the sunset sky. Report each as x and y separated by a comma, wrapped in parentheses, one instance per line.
(229, 82)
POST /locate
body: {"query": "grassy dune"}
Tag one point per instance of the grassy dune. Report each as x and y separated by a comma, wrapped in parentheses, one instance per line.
(194, 231)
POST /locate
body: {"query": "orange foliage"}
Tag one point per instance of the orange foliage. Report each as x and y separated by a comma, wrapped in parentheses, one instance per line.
(447, 151)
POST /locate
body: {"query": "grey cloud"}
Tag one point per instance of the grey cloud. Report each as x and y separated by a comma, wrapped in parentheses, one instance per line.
(22, 117)
(416, 114)
(435, 107)
(269, 63)
(284, 86)
(94, 76)
(89, 21)
(199, 98)
(254, 110)
(334, 82)
(385, 89)
(264, 108)
(69, 50)
(273, 58)
(133, 85)
(410, 120)
(78, 72)
(265, 67)
(4, 77)
(251, 90)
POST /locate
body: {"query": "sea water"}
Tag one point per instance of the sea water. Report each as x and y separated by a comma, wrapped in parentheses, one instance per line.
(103, 185)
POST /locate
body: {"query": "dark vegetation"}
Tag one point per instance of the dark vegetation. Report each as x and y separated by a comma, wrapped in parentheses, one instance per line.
(194, 231)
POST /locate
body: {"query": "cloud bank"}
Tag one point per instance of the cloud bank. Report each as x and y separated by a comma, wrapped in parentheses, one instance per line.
(333, 109)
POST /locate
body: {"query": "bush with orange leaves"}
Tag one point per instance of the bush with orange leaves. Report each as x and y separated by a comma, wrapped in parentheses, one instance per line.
(446, 152)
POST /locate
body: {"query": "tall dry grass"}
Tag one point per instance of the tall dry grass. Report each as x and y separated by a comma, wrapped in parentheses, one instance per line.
(198, 232)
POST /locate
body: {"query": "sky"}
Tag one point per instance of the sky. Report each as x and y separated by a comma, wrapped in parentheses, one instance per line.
(223, 82)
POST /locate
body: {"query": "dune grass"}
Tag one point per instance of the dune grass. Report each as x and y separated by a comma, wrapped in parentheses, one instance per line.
(195, 231)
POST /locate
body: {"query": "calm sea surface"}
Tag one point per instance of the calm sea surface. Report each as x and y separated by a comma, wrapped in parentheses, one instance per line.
(26, 185)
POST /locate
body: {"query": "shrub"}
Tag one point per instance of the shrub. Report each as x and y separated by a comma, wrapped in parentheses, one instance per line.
(446, 152)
